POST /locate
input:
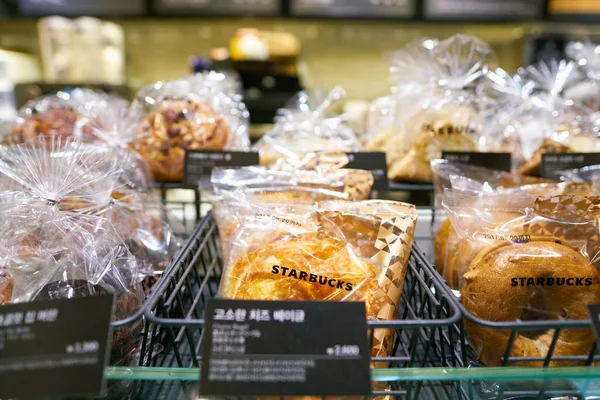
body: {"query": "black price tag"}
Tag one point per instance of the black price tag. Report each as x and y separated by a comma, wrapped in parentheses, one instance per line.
(200, 163)
(353, 8)
(594, 311)
(80, 7)
(554, 163)
(54, 348)
(287, 348)
(218, 7)
(483, 9)
(497, 161)
(374, 162)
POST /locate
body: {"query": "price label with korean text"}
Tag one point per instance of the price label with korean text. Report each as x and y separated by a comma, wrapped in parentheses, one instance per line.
(497, 161)
(371, 161)
(287, 348)
(554, 163)
(54, 348)
(200, 163)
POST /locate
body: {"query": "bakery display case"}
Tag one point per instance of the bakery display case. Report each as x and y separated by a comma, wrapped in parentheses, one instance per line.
(431, 355)
(478, 273)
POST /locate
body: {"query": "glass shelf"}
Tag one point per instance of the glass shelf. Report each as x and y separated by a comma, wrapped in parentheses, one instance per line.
(383, 374)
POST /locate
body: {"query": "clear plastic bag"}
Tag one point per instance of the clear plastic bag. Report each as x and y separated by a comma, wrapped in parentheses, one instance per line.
(478, 181)
(181, 115)
(547, 122)
(413, 73)
(273, 188)
(448, 114)
(56, 241)
(305, 127)
(585, 91)
(509, 97)
(527, 258)
(62, 114)
(334, 251)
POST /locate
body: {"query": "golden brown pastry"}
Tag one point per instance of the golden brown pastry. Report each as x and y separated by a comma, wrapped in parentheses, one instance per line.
(533, 166)
(541, 279)
(166, 133)
(415, 166)
(451, 251)
(343, 251)
(446, 240)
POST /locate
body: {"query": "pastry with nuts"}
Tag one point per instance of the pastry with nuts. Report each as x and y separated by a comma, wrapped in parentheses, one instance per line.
(176, 126)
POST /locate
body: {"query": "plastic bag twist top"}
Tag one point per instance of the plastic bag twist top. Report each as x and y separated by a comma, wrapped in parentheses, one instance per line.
(587, 56)
(52, 198)
(306, 126)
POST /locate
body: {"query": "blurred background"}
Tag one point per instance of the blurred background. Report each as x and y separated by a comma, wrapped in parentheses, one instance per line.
(276, 46)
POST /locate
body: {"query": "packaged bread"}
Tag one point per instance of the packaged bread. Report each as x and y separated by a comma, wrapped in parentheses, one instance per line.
(528, 260)
(182, 115)
(413, 73)
(269, 187)
(56, 238)
(450, 248)
(61, 114)
(544, 119)
(307, 125)
(333, 251)
(448, 114)
(86, 180)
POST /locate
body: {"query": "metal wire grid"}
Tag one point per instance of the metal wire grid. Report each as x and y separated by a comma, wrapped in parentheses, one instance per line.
(425, 331)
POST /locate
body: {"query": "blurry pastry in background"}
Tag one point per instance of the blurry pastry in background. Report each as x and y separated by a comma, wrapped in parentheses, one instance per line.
(533, 166)
(433, 140)
(165, 135)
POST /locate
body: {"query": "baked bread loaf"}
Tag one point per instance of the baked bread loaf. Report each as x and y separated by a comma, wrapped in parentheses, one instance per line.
(164, 136)
(558, 282)
(415, 166)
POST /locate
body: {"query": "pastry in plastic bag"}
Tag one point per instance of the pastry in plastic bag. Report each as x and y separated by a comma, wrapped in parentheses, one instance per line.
(451, 250)
(64, 114)
(448, 117)
(540, 264)
(183, 116)
(55, 241)
(429, 145)
(337, 251)
(274, 188)
(305, 127)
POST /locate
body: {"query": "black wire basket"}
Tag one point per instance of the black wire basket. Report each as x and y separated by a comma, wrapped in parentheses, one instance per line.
(425, 330)
(429, 333)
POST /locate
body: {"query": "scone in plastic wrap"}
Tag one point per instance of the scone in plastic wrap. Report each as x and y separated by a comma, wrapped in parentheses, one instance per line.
(448, 114)
(305, 127)
(271, 188)
(56, 241)
(182, 115)
(528, 259)
(334, 251)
